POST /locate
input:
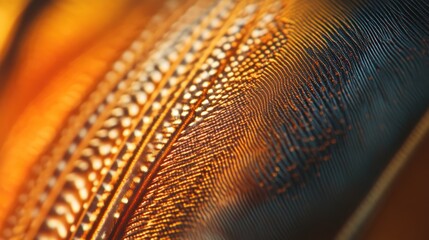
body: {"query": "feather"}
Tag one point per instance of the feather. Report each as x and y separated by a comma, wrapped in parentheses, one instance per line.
(236, 120)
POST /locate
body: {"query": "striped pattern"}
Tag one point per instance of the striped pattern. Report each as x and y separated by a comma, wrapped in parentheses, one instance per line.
(247, 119)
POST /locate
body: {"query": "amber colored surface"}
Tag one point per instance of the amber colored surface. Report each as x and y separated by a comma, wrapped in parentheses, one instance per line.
(165, 171)
(67, 48)
(404, 214)
(10, 13)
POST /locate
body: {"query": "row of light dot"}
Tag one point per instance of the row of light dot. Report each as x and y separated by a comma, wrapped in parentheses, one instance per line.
(17, 222)
(68, 203)
(208, 71)
(149, 76)
(38, 187)
(203, 81)
(168, 127)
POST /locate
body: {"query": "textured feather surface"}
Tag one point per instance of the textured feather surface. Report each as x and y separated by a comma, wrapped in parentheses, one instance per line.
(237, 120)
